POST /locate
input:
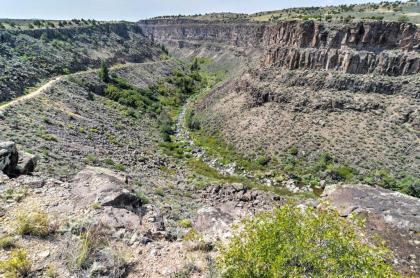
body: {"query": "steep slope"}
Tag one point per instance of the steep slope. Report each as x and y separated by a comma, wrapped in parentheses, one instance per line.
(29, 56)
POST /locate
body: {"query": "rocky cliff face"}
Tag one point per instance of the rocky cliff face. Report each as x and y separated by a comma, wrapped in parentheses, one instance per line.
(235, 34)
(382, 47)
(389, 48)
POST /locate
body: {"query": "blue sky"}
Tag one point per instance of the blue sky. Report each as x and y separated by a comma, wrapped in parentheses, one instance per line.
(138, 9)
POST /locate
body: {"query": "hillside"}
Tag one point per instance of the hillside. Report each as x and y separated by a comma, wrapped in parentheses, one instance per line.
(29, 56)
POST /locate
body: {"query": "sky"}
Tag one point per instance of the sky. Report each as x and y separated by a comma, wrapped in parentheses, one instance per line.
(134, 10)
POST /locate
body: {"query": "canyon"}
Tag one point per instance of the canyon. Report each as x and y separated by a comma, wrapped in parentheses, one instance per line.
(134, 149)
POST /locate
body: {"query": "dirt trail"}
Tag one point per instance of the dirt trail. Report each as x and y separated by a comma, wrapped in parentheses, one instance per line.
(33, 94)
(56, 79)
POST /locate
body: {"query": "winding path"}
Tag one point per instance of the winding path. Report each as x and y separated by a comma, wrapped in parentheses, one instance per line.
(55, 80)
(33, 94)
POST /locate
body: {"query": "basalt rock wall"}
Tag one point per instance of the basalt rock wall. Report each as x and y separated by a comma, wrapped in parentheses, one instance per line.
(389, 48)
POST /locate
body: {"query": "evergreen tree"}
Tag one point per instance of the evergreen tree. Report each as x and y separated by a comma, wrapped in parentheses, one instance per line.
(104, 72)
(195, 66)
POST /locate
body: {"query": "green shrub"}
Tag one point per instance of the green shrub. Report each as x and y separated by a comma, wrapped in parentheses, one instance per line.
(119, 167)
(159, 191)
(262, 160)
(34, 223)
(185, 223)
(7, 242)
(109, 162)
(403, 19)
(290, 242)
(342, 172)
(294, 150)
(18, 265)
(142, 198)
(90, 159)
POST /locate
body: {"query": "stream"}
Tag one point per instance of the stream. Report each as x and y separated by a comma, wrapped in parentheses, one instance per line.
(183, 135)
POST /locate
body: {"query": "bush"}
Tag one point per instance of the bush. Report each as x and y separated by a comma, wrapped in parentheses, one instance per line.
(403, 19)
(185, 223)
(18, 265)
(290, 242)
(142, 198)
(262, 160)
(34, 223)
(90, 159)
(7, 242)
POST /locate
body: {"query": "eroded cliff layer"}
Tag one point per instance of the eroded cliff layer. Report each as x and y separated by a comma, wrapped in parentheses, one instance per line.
(366, 47)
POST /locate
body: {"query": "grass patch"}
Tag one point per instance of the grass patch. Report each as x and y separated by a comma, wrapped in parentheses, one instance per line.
(33, 223)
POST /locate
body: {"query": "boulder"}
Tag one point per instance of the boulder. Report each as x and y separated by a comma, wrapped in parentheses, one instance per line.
(27, 163)
(214, 222)
(8, 157)
(105, 188)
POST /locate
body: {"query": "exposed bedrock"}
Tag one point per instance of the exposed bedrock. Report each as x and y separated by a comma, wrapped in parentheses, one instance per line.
(389, 48)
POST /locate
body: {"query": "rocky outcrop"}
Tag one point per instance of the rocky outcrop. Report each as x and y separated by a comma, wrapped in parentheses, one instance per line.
(389, 48)
(392, 215)
(14, 163)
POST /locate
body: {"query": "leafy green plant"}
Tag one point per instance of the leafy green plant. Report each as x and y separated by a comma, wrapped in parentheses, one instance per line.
(291, 242)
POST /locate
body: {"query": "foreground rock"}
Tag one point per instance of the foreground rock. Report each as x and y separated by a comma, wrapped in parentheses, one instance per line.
(105, 188)
(392, 215)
